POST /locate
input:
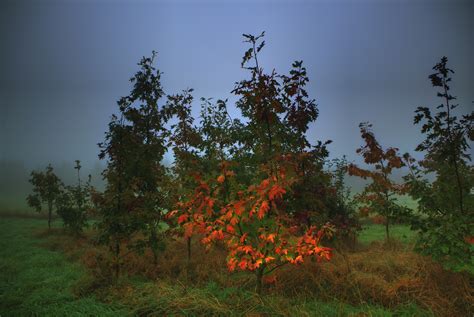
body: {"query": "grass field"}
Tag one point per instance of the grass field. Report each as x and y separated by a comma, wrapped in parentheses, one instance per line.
(371, 233)
(36, 281)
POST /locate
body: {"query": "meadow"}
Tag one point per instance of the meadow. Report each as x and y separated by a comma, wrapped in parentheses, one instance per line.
(252, 218)
(50, 273)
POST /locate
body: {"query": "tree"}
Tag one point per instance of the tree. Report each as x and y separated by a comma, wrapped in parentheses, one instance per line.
(185, 140)
(134, 200)
(73, 203)
(379, 195)
(342, 209)
(147, 123)
(220, 135)
(447, 203)
(253, 220)
(253, 225)
(47, 188)
(113, 206)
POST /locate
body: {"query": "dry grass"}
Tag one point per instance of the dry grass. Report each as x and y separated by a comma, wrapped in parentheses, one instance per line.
(386, 275)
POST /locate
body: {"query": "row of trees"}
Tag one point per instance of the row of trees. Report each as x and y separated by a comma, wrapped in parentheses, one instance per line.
(71, 203)
(258, 185)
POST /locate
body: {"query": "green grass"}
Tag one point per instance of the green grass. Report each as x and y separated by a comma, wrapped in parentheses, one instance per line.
(35, 281)
(38, 282)
(376, 232)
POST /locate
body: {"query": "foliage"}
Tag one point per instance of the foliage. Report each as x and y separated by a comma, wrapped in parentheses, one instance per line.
(47, 188)
(135, 200)
(379, 195)
(258, 230)
(341, 206)
(73, 203)
(447, 203)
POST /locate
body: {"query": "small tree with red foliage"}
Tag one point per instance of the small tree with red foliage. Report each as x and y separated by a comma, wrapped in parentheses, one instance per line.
(254, 225)
(379, 195)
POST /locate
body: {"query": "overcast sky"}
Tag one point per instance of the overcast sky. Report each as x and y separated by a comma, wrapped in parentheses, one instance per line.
(65, 63)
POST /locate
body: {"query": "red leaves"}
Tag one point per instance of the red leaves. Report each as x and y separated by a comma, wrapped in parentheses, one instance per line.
(264, 208)
(276, 192)
(271, 237)
(246, 249)
(469, 240)
(230, 229)
(252, 225)
(182, 218)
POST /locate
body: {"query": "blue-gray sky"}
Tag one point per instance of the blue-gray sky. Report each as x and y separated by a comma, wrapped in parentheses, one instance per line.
(65, 63)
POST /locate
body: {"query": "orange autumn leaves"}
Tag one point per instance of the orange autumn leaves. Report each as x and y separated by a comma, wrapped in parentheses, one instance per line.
(253, 225)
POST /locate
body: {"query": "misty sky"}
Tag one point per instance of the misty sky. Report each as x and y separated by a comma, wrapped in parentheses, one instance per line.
(65, 63)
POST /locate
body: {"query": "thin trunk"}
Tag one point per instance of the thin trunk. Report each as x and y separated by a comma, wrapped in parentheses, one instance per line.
(117, 264)
(154, 243)
(189, 249)
(453, 148)
(50, 213)
(386, 228)
(259, 276)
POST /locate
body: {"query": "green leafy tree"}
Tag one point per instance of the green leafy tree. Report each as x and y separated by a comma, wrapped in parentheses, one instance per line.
(74, 202)
(113, 206)
(220, 135)
(147, 122)
(341, 205)
(47, 188)
(447, 202)
(135, 198)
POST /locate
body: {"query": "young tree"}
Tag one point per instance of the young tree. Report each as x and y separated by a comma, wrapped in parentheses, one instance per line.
(47, 188)
(114, 204)
(147, 122)
(220, 135)
(73, 203)
(379, 195)
(134, 199)
(254, 221)
(185, 140)
(254, 224)
(447, 202)
(342, 209)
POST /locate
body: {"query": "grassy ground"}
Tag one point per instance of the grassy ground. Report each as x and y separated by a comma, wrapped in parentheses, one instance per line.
(376, 232)
(35, 281)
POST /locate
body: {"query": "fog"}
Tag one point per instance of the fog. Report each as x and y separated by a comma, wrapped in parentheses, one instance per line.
(65, 63)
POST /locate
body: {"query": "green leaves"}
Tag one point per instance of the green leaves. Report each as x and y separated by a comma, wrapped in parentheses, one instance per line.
(447, 202)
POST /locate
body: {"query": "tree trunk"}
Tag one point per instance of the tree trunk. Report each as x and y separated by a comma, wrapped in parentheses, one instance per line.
(50, 213)
(386, 228)
(154, 245)
(117, 264)
(259, 276)
(189, 249)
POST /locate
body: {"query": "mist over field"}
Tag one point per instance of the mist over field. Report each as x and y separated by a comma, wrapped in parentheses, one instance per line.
(65, 64)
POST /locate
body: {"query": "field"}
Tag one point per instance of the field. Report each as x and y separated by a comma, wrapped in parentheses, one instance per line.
(49, 273)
